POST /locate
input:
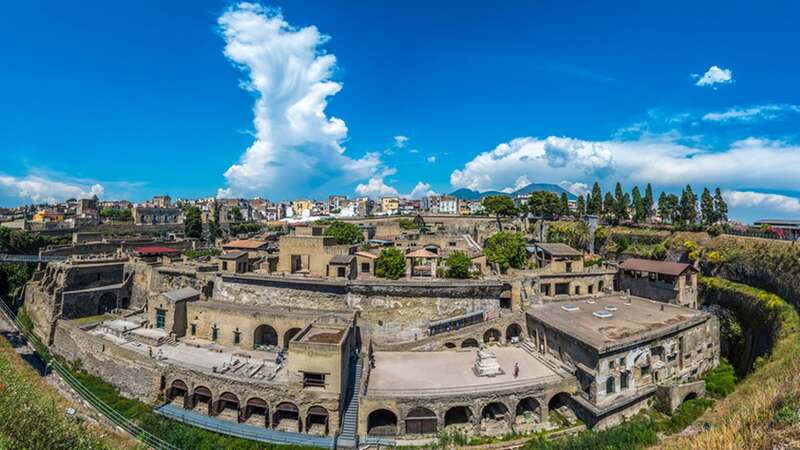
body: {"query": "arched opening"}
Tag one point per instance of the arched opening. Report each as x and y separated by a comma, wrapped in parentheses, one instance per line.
(421, 421)
(107, 303)
(381, 422)
(494, 418)
(287, 417)
(528, 411)
(449, 345)
(289, 335)
(513, 333)
(256, 412)
(458, 416)
(690, 396)
(470, 343)
(201, 396)
(317, 421)
(228, 406)
(561, 410)
(492, 336)
(177, 391)
(265, 337)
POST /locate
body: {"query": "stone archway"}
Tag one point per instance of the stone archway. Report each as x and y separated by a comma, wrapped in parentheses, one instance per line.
(495, 418)
(287, 417)
(317, 421)
(382, 422)
(470, 343)
(178, 389)
(202, 396)
(228, 406)
(421, 421)
(257, 409)
(289, 335)
(561, 410)
(492, 336)
(528, 410)
(458, 416)
(265, 336)
(513, 333)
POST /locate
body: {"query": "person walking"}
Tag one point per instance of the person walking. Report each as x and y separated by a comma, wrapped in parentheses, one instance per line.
(516, 370)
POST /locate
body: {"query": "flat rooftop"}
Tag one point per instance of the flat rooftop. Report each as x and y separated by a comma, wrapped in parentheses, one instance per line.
(323, 335)
(415, 374)
(609, 322)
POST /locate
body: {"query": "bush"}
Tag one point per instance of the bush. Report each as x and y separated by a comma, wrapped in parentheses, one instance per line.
(637, 433)
(507, 250)
(345, 233)
(391, 263)
(721, 380)
(687, 413)
(458, 265)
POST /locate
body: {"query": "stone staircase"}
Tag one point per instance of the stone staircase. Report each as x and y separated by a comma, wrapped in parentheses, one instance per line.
(348, 438)
(552, 364)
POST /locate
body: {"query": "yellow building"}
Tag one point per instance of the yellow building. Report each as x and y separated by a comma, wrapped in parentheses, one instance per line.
(43, 216)
(298, 206)
(390, 204)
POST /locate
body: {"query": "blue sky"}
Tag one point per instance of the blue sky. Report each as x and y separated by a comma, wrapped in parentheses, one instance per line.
(203, 98)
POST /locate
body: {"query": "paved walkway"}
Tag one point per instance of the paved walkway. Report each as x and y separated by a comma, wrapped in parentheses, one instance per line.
(242, 430)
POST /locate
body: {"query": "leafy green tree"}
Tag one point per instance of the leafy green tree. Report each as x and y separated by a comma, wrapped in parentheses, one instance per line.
(639, 213)
(595, 204)
(507, 250)
(620, 204)
(688, 206)
(193, 222)
(580, 206)
(500, 206)
(668, 208)
(608, 205)
(458, 265)
(720, 207)
(543, 204)
(391, 263)
(707, 213)
(214, 230)
(647, 202)
(116, 213)
(345, 233)
(564, 206)
(236, 214)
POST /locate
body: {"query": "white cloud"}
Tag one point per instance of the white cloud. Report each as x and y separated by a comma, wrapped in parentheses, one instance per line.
(421, 190)
(715, 75)
(413, 150)
(749, 199)
(400, 141)
(297, 147)
(576, 188)
(39, 189)
(431, 159)
(762, 112)
(375, 188)
(661, 161)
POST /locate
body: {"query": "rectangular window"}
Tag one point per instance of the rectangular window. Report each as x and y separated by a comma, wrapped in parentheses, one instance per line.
(224, 265)
(194, 329)
(623, 381)
(214, 333)
(364, 267)
(545, 288)
(161, 318)
(645, 371)
(577, 290)
(562, 288)
(591, 288)
(610, 387)
(340, 272)
(569, 267)
(311, 379)
(237, 337)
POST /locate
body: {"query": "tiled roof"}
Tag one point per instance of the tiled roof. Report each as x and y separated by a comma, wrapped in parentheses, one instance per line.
(649, 265)
(246, 243)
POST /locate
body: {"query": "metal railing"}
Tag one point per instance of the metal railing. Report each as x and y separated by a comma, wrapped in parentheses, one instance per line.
(110, 413)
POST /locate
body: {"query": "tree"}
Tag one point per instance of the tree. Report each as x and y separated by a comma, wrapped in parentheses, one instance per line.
(345, 233)
(543, 204)
(688, 206)
(580, 206)
(391, 263)
(639, 213)
(193, 222)
(608, 205)
(595, 204)
(720, 207)
(500, 205)
(236, 214)
(707, 213)
(458, 265)
(668, 208)
(214, 230)
(507, 250)
(564, 207)
(647, 202)
(620, 204)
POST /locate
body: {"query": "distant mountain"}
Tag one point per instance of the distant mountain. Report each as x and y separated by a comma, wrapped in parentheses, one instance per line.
(469, 194)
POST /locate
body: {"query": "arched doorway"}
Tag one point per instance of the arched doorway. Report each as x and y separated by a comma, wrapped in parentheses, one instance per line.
(289, 335)
(491, 336)
(528, 411)
(256, 412)
(561, 410)
(107, 303)
(449, 345)
(317, 421)
(178, 390)
(201, 397)
(228, 406)
(470, 343)
(421, 421)
(264, 337)
(287, 417)
(381, 422)
(513, 333)
(494, 418)
(690, 396)
(458, 416)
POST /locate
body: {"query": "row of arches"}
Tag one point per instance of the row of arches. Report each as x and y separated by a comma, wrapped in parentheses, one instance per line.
(421, 420)
(285, 416)
(491, 336)
(266, 336)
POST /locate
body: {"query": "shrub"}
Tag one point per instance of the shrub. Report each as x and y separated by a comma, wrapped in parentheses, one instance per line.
(507, 250)
(687, 413)
(345, 233)
(458, 265)
(721, 380)
(391, 263)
